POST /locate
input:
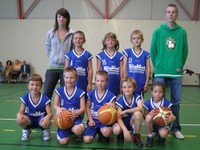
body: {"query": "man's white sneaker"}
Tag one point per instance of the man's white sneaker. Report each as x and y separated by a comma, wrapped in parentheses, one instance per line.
(179, 135)
(46, 134)
(25, 135)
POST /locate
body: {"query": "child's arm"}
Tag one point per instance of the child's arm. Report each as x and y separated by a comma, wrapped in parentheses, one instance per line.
(121, 69)
(90, 75)
(66, 63)
(132, 110)
(56, 105)
(98, 65)
(20, 114)
(124, 67)
(148, 73)
(88, 112)
(126, 132)
(82, 107)
(46, 121)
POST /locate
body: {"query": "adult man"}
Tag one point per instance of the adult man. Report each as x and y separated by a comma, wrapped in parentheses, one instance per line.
(169, 50)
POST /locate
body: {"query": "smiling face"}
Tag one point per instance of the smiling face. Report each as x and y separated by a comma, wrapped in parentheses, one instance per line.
(78, 39)
(34, 86)
(70, 79)
(157, 93)
(61, 20)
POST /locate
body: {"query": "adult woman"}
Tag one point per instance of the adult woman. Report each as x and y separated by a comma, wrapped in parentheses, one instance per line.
(58, 42)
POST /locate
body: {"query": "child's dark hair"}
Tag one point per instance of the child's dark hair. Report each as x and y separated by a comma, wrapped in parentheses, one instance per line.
(110, 35)
(63, 12)
(71, 69)
(35, 77)
(158, 83)
(102, 73)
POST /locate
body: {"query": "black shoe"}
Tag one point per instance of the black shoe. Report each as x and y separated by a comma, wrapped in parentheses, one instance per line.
(120, 137)
(161, 140)
(103, 138)
(78, 138)
(137, 140)
(149, 143)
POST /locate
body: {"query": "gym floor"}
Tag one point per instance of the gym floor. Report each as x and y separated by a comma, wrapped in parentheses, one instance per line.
(10, 133)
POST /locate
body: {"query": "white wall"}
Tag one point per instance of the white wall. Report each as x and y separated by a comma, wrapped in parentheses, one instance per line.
(24, 39)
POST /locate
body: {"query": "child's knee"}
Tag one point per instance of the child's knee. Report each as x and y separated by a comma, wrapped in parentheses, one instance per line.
(88, 139)
(63, 141)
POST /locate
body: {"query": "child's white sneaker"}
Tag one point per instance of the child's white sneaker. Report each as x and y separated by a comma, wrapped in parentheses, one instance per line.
(46, 134)
(25, 135)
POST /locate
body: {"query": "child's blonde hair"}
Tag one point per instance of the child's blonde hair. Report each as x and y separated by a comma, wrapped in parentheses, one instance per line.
(129, 80)
(137, 32)
(71, 69)
(35, 77)
(110, 35)
(102, 73)
(80, 32)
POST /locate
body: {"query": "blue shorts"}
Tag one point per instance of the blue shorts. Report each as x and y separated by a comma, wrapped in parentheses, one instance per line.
(92, 131)
(127, 122)
(35, 121)
(65, 133)
(156, 128)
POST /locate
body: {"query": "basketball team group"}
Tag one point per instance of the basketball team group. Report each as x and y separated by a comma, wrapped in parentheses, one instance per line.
(121, 80)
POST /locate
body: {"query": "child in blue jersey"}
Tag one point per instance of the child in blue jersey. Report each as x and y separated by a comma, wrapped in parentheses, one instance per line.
(156, 101)
(129, 108)
(71, 98)
(35, 110)
(97, 98)
(110, 60)
(80, 59)
(137, 63)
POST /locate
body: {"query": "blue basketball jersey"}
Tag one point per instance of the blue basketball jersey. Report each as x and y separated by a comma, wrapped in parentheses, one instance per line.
(70, 102)
(80, 62)
(35, 110)
(96, 103)
(136, 67)
(111, 64)
(124, 105)
(150, 105)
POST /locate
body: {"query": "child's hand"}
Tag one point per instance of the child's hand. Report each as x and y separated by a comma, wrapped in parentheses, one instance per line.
(110, 105)
(127, 136)
(91, 123)
(20, 118)
(59, 111)
(73, 115)
(45, 122)
(152, 113)
(169, 118)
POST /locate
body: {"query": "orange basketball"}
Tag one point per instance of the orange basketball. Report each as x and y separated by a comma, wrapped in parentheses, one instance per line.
(107, 115)
(64, 121)
(160, 113)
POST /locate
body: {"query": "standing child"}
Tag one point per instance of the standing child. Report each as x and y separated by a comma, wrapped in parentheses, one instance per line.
(136, 63)
(71, 98)
(129, 108)
(110, 60)
(80, 59)
(35, 110)
(97, 98)
(156, 101)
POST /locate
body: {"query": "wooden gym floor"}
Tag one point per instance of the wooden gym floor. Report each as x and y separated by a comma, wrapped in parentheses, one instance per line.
(10, 133)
